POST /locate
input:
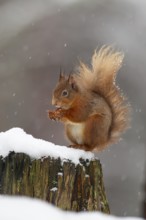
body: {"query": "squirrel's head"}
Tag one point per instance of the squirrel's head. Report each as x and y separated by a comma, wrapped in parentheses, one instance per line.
(65, 92)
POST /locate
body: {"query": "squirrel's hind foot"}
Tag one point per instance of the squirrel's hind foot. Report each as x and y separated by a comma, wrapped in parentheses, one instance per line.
(80, 146)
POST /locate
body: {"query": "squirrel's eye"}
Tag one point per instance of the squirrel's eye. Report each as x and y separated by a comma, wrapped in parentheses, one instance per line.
(64, 93)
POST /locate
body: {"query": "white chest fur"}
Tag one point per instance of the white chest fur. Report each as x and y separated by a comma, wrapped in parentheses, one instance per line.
(76, 130)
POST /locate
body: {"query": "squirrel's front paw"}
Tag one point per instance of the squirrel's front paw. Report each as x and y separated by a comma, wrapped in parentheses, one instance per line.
(55, 115)
(51, 115)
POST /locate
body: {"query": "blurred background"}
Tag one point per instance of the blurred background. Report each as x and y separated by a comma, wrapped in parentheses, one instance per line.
(39, 36)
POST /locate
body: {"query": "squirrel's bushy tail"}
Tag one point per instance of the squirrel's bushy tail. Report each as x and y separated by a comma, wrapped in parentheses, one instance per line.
(100, 78)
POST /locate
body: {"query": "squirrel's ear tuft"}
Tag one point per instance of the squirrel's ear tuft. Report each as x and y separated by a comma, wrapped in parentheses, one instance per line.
(72, 82)
(61, 75)
(74, 86)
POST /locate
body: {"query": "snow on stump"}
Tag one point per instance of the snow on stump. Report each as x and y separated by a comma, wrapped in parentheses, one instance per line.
(68, 178)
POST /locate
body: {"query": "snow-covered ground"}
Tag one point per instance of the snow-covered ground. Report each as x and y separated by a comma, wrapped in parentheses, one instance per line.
(18, 141)
(16, 208)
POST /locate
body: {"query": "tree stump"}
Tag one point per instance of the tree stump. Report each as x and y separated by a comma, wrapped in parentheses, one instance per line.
(71, 187)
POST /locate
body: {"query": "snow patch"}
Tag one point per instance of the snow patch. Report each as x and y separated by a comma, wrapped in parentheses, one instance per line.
(60, 174)
(54, 189)
(18, 141)
(16, 208)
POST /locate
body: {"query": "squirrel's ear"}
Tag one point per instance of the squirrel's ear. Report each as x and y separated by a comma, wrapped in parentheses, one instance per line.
(61, 75)
(72, 82)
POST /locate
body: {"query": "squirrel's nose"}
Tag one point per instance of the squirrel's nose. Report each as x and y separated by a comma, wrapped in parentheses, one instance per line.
(54, 102)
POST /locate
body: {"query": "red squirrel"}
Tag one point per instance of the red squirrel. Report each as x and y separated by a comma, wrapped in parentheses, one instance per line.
(89, 103)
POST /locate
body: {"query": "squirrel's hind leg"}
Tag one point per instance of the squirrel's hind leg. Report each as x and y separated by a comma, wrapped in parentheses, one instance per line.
(96, 132)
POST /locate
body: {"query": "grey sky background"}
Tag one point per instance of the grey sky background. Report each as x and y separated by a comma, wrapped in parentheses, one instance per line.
(36, 37)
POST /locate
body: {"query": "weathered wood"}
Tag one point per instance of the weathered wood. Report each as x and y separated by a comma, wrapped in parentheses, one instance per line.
(62, 183)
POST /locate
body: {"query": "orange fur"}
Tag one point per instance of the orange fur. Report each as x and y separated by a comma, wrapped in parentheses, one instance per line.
(93, 109)
(101, 79)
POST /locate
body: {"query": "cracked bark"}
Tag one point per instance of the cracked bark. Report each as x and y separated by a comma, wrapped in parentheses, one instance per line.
(62, 183)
